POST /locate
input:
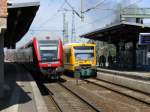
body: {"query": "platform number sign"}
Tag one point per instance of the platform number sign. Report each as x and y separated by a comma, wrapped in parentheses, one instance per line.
(144, 39)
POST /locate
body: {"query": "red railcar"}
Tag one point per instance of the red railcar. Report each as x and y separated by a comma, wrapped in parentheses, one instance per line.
(48, 57)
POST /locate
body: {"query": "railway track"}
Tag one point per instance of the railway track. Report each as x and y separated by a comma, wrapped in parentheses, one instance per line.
(66, 100)
(49, 100)
(137, 95)
(90, 95)
(56, 106)
(107, 96)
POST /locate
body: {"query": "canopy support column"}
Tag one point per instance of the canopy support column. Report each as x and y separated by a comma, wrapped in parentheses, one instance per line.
(134, 55)
(1, 64)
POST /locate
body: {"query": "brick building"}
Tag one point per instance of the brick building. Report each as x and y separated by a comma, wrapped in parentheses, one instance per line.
(3, 13)
(3, 25)
(3, 8)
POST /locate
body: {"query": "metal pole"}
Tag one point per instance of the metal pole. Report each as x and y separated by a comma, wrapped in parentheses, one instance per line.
(64, 30)
(73, 28)
(1, 64)
(66, 33)
(82, 15)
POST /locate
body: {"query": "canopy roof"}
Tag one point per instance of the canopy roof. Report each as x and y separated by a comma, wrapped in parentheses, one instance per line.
(20, 17)
(125, 31)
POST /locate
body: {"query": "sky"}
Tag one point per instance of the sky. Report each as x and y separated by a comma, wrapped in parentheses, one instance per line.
(49, 18)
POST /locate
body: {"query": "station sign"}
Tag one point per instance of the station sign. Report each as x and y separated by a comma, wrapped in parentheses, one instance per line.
(144, 39)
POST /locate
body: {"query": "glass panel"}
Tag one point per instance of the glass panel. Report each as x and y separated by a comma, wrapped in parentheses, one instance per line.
(84, 52)
(48, 50)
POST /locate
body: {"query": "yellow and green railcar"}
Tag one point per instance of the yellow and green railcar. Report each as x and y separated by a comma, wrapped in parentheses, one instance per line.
(80, 58)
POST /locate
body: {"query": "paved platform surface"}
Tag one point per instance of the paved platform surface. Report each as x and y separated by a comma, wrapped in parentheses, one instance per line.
(22, 93)
(135, 80)
(133, 74)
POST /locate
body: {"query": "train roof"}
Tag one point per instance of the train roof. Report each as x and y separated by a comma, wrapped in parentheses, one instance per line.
(79, 44)
(43, 39)
(19, 20)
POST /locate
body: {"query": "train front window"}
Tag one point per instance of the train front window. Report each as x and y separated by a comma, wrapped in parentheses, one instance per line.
(48, 50)
(84, 52)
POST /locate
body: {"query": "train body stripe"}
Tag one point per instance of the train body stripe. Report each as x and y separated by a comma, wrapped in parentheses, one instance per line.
(36, 47)
(60, 52)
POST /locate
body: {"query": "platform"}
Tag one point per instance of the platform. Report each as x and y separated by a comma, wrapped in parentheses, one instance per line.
(135, 80)
(21, 91)
(141, 75)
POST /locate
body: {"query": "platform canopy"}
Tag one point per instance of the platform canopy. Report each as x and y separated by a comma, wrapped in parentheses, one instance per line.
(123, 31)
(20, 17)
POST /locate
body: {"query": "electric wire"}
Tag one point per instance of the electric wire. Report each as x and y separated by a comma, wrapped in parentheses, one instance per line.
(135, 2)
(94, 7)
(45, 30)
(72, 8)
(52, 17)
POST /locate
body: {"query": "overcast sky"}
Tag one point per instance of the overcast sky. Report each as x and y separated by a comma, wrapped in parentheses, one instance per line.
(49, 18)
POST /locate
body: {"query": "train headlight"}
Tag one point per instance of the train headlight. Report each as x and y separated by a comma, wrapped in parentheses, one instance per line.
(60, 69)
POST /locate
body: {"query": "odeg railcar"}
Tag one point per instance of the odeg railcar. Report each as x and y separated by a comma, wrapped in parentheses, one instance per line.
(81, 58)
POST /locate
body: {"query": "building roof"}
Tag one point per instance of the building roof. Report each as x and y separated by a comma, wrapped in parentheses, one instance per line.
(20, 17)
(126, 31)
(79, 44)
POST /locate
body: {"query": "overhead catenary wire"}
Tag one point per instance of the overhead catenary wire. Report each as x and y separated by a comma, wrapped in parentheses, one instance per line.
(91, 23)
(52, 17)
(94, 7)
(98, 4)
(87, 10)
(135, 2)
(45, 30)
(72, 8)
(80, 15)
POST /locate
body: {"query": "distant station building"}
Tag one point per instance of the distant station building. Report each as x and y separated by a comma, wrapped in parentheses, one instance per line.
(126, 35)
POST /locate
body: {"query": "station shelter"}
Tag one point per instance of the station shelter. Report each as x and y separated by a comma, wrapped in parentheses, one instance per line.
(125, 36)
(19, 20)
(15, 21)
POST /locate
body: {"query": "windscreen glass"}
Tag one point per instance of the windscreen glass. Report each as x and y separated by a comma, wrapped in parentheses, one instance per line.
(84, 52)
(48, 50)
